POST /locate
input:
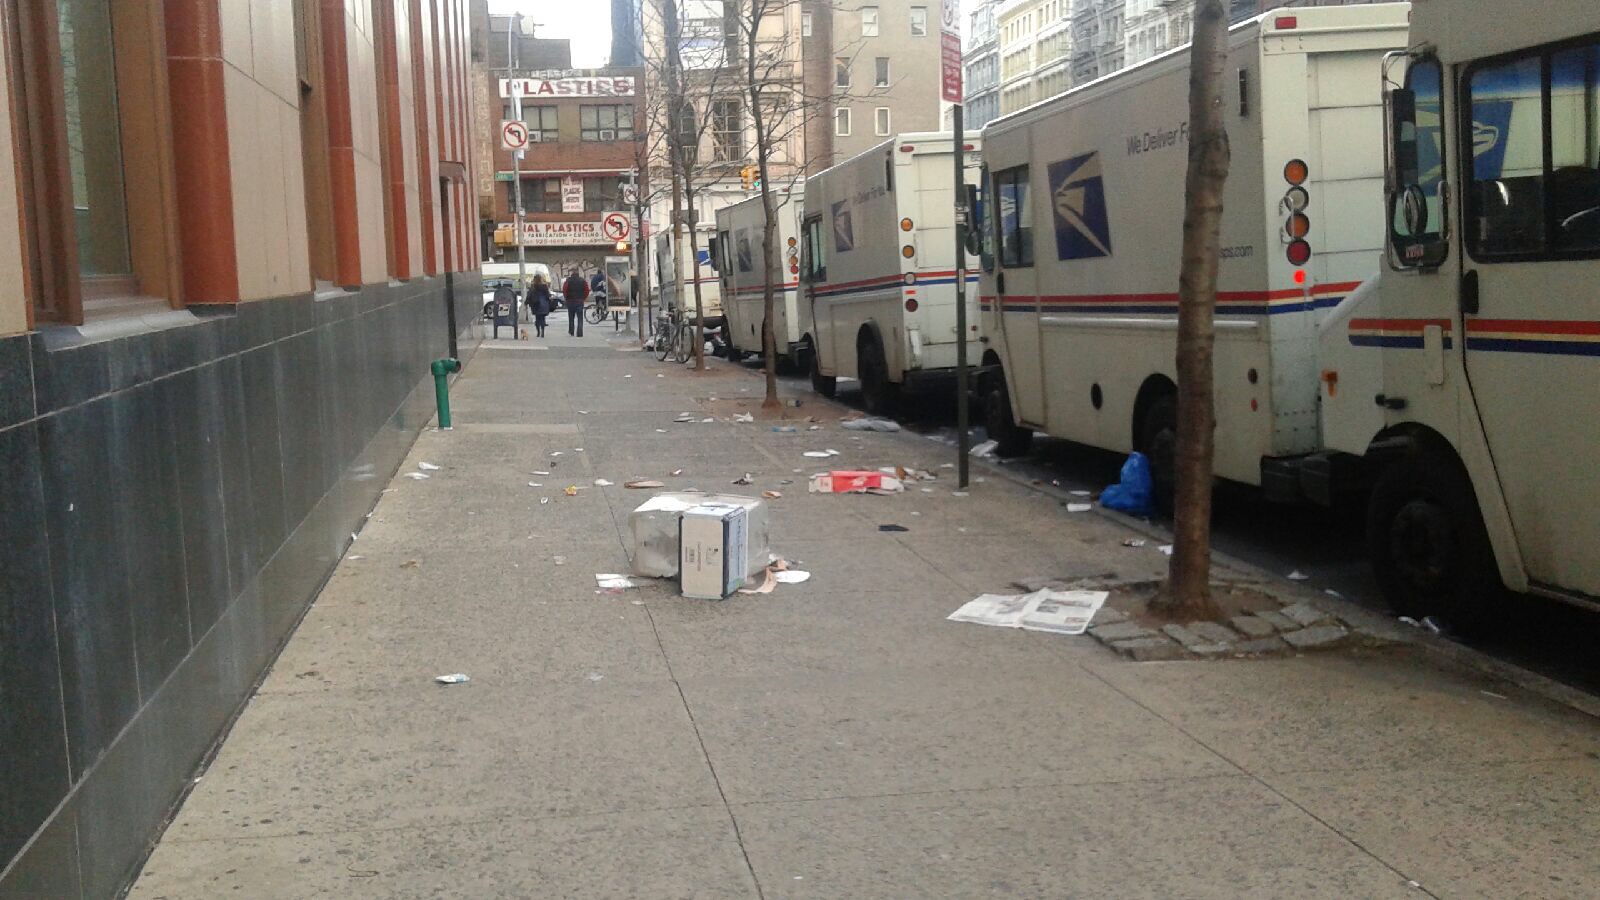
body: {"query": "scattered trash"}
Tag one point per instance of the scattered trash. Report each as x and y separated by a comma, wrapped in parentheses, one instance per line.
(643, 483)
(572, 490)
(855, 482)
(595, 676)
(893, 528)
(1165, 549)
(791, 576)
(1333, 593)
(661, 431)
(772, 495)
(676, 472)
(958, 493)
(784, 429)
(744, 479)
(612, 581)
(744, 417)
(1079, 507)
(355, 556)
(555, 453)
(660, 376)
(1062, 612)
(684, 417)
(1135, 493)
(654, 531)
(559, 560)
(871, 425)
(1492, 694)
(457, 678)
(627, 376)
(1298, 575)
(947, 465)
(416, 476)
(543, 500)
(427, 467)
(1133, 542)
(707, 419)
(410, 564)
(583, 412)
(814, 454)
(1433, 624)
(927, 490)
(535, 484)
(601, 482)
(986, 448)
(1077, 493)
(540, 472)
(814, 428)
(577, 449)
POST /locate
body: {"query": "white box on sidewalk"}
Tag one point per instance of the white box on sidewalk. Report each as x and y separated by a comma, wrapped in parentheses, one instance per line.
(712, 550)
(653, 531)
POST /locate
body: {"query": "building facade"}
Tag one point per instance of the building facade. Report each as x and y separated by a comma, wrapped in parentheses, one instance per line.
(1035, 48)
(234, 245)
(586, 132)
(1097, 44)
(886, 73)
(1152, 27)
(981, 60)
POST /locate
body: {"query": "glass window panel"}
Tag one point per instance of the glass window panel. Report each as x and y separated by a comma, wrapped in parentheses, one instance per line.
(94, 137)
(1575, 148)
(1508, 182)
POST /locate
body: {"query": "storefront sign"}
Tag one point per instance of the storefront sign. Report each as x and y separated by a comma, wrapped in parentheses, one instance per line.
(617, 86)
(571, 194)
(573, 234)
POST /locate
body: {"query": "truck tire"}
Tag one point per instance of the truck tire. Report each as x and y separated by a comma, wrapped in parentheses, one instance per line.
(878, 394)
(1427, 542)
(1158, 441)
(1010, 438)
(826, 385)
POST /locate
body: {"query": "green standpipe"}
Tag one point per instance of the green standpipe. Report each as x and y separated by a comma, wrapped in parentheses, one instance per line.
(442, 370)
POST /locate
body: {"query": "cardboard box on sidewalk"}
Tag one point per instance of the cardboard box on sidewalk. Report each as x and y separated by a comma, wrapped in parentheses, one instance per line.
(653, 531)
(712, 549)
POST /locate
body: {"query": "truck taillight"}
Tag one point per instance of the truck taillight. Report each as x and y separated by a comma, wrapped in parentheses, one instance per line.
(1298, 226)
(905, 224)
(1299, 253)
(1295, 171)
(911, 304)
(1286, 23)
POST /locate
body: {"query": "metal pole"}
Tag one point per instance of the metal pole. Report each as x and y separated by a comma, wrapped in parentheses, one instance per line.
(513, 60)
(963, 217)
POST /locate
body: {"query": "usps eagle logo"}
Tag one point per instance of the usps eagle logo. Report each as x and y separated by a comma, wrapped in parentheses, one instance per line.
(1078, 198)
(844, 234)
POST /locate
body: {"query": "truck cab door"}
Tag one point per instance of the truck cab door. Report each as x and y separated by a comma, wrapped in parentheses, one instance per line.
(813, 272)
(1530, 297)
(1016, 302)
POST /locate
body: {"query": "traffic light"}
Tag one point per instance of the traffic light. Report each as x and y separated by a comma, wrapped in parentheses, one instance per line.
(747, 177)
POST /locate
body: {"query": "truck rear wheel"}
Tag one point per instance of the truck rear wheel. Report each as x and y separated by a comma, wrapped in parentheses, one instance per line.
(1427, 542)
(1158, 441)
(878, 394)
(1010, 438)
(826, 385)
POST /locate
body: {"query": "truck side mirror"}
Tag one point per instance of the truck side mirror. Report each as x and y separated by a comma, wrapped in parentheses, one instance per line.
(1403, 160)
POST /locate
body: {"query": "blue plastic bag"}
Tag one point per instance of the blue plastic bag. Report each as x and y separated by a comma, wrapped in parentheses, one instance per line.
(1135, 494)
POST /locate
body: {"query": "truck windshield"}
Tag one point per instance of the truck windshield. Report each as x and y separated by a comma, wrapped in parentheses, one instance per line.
(1416, 128)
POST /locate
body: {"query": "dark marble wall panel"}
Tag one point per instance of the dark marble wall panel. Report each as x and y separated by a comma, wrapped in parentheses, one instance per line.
(181, 490)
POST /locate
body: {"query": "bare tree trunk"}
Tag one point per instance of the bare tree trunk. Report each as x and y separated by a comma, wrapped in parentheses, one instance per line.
(1188, 588)
(769, 264)
(694, 278)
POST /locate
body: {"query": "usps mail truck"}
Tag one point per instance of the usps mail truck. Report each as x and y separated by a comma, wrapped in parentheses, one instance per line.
(1085, 226)
(1463, 377)
(741, 236)
(665, 291)
(877, 268)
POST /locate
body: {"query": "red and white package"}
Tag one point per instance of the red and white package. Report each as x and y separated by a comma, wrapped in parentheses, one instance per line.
(855, 483)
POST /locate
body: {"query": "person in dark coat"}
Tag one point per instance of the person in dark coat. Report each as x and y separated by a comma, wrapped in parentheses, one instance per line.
(577, 291)
(539, 302)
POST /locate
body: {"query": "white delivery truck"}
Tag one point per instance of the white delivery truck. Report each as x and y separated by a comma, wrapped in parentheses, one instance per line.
(877, 268)
(664, 293)
(741, 236)
(1084, 224)
(1464, 377)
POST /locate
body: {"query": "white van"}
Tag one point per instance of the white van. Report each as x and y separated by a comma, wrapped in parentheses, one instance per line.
(1084, 228)
(664, 292)
(877, 269)
(741, 234)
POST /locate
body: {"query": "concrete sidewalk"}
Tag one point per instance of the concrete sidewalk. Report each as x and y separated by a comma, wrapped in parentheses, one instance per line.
(837, 738)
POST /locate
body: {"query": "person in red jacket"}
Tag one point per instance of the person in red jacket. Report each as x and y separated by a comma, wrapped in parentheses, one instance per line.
(577, 292)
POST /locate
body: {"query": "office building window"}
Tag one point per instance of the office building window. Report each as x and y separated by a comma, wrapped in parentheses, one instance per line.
(919, 20)
(841, 122)
(727, 131)
(881, 121)
(869, 21)
(841, 72)
(805, 24)
(882, 71)
(606, 123)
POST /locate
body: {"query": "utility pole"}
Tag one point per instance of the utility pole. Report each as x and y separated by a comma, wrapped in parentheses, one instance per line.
(513, 60)
(951, 90)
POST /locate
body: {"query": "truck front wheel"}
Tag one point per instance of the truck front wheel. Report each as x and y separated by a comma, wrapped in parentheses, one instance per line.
(1425, 535)
(1010, 438)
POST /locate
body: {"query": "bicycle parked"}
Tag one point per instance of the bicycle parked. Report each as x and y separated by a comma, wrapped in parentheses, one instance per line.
(674, 336)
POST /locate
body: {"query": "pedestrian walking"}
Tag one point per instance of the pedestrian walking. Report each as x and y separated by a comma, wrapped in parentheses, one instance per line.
(577, 291)
(539, 302)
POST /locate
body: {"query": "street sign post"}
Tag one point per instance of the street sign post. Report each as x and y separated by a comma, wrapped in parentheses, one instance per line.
(950, 78)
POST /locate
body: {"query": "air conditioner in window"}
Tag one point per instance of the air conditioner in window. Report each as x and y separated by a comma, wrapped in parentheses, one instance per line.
(535, 137)
(608, 134)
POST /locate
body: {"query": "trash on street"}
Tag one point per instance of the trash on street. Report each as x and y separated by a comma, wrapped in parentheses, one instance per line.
(1133, 542)
(744, 417)
(612, 580)
(653, 531)
(1079, 507)
(457, 678)
(986, 448)
(427, 467)
(1062, 612)
(893, 528)
(416, 476)
(1298, 575)
(1135, 493)
(642, 483)
(746, 478)
(849, 482)
(871, 424)
(601, 482)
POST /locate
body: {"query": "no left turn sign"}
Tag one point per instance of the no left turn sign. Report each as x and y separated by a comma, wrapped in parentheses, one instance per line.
(513, 134)
(615, 225)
